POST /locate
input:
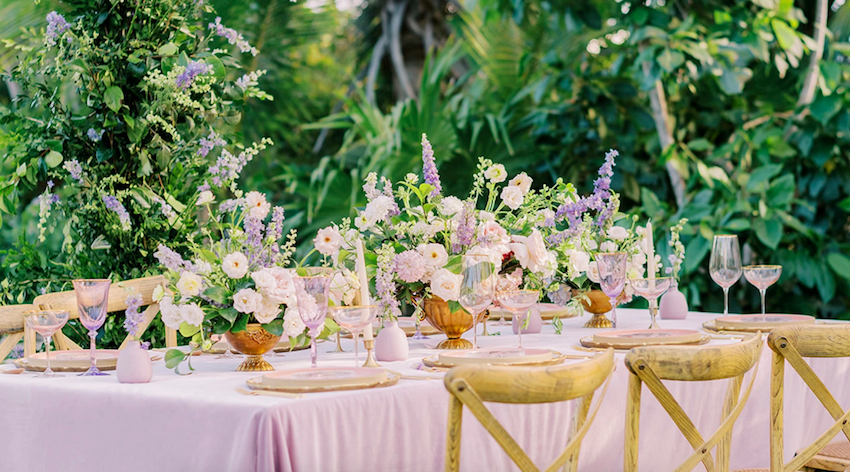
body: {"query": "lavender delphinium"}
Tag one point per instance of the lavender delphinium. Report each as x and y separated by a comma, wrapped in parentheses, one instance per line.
(370, 186)
(114, 205)
(194, 69)
(274, 230)
(254, 239)
(209, 143)
(170, 259)
(232, 36)
(466, 227)
(56, 25)
(599, 201)
(384, 279)
(388, 191)
(132, 316)
(75, 169)
(429, 167)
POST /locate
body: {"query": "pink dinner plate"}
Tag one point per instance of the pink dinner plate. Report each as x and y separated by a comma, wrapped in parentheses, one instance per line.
(76, 358)
(502, 355)
(324, 377)
(768, 321)
(644, 337)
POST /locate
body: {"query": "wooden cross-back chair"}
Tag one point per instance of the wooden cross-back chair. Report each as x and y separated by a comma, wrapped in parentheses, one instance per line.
(793, 344)
(651, 364)
(118, 293)
(12, 327)
(471, 386)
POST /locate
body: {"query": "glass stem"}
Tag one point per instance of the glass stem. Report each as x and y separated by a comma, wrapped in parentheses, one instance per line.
(725, 301)
(47, 354)
(313, 351)
(653, 312)
(762, 291)
(613, 312)
(92, 353)
(519, 329)
(356, 351)
(475, 332)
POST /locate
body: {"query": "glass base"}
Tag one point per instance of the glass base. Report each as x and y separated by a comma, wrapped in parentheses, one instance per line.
(92, 372)
(420, 336)
(49, 375)
(228, 355)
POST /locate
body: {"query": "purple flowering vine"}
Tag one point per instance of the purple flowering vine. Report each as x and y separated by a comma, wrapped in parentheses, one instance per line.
(232, 36)
(194, 69)
(56, 25)
(133, 318)
(170, 259)
(466, 227)
(599, 201)
(75, 169)
(115, 206)
(209, 143)
(94, 135)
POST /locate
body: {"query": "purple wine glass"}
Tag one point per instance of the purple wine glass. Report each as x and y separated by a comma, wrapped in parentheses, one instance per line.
(312, 291)
(92, 301)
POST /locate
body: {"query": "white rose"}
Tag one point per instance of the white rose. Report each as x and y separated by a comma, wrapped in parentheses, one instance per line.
(446, 285)
(579, 260)
(536, 248)
(451, 205)
(522, 181)
(492, 233)
(292, 324)
(235, 265)
(512, 197)
(170, 313)
(205, 197)
(493, 253)
(192, 314)
(591, 245)
(378, 208)
(435, 254)
(593, 272)
(247, 301)
(257, 205)
(328, 240)
(283, 292)
(618, 233)
(608, 246)
(264, 279)
(496, 173)
(268, 311)
(190, 284)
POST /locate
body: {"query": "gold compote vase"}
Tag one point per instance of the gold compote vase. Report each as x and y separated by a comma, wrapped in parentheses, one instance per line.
(254, 341)
(597, 304)
(452, 324)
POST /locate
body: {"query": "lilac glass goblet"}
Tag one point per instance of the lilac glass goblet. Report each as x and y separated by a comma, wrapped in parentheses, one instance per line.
(312, 292)
(651, 289)
(518, 302)
(92, 301)
(612, 277)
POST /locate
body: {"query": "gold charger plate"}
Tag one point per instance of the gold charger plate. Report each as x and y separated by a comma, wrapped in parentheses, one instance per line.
(589, 342)
(24, 364)
(557, 358)
(257, 384)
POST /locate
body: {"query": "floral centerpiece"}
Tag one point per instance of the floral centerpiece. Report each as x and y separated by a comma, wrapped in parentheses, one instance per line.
(236, 281)
(582, 227)
(416, 236)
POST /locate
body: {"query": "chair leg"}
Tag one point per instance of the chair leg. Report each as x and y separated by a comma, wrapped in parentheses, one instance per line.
(9, 343)
(29, 341)
(453, 434)
(632, 424)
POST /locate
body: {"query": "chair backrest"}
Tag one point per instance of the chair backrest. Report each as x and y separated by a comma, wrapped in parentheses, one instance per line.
(651, 364)
(12, 326)
(117, 301)
(793, 343)
(473, 385)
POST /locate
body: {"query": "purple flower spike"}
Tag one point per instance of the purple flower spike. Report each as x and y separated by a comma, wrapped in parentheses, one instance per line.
(429, 167)
(56, 25)
(194, 69)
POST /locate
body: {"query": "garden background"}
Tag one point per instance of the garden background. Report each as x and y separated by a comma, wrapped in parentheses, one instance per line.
(732, 114)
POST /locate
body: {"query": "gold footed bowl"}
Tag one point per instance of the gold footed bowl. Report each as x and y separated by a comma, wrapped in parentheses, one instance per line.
(597, 303)
(254, 341)
(452, 324)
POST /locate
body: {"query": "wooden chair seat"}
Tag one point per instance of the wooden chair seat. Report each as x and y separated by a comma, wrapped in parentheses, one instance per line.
(833, 457)
(752, 470)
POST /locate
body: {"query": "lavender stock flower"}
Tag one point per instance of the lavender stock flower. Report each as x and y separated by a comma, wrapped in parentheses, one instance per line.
(388, 191)
(75, 169)
(429, 167)
(209, 143)
(466, 227)
(113, 204)
(170, 259)
(56, 25)
(194, 69)
(232, 36)
(132, 316)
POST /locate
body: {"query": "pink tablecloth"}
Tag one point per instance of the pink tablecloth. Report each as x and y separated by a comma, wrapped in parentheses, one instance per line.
(200, 423)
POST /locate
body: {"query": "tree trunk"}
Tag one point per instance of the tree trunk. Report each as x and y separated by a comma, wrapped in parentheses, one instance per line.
(807, 94)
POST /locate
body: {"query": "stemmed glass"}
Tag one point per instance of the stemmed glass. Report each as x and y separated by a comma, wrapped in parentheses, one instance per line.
(92, 301)
(725, 264)
(612, 277)
(651, 289)
(354, 319)
(417, 301)
(762, 277)
(228, 354)
(476, 289)
(312, 292)
(46, 323)
(518, 302)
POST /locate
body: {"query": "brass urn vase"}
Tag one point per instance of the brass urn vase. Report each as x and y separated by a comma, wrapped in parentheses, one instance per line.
(254, 341)
(597, 303)
(452, 323)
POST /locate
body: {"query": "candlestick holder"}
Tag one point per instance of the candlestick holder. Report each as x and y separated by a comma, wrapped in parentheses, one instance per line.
(370, 357)
(338, 345)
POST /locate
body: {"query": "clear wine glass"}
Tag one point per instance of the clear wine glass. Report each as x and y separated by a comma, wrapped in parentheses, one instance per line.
(651, 289)
(518, 302)
(725, 264)
(92, 302)
(612, 277)
(476, 289)
(312, 291)
(418, 317)
(46, 323)
(762, 277)
(355, 319)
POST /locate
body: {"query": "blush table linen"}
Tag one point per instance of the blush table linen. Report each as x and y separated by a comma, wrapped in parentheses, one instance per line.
(201, 423)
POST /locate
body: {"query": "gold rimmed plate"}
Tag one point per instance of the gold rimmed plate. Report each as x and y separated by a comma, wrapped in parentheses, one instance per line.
(77, 360)
(555, 359)
(330, 379)
(764, 323)
(628, 343)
